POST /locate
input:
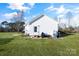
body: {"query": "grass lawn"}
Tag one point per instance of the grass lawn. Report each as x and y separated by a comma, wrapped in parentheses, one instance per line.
(14, 44)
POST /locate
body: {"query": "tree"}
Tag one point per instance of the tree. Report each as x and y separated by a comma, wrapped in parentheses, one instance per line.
(5, 25)
(18, 21)
(1, 28)
(69, 16)
(12, 27)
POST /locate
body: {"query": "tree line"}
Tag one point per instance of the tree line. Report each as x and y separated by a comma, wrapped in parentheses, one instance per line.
(16, 24)
(11, 27)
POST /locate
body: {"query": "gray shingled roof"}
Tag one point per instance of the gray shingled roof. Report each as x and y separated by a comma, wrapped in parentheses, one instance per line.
(36, 18)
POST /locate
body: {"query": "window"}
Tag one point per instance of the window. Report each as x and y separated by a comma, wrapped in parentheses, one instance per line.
(35, 29)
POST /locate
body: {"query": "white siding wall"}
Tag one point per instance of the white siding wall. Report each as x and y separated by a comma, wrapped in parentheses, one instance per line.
(44, 24)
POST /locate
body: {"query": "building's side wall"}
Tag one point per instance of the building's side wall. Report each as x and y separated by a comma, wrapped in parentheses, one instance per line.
(26, 29)
(45, 24)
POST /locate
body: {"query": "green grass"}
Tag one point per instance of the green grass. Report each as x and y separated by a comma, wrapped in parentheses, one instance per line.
(14, 44)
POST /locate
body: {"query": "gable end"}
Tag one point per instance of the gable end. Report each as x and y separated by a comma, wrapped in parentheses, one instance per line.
(35, 19)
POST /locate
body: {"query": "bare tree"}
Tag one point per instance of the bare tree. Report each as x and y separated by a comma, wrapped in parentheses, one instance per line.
(69, 17)
(18, 21)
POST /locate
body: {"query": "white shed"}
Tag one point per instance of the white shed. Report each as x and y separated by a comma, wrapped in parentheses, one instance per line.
(42, 23)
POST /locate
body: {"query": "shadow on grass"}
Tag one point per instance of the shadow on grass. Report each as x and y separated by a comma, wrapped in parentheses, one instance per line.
(2, 49)
(5, 40)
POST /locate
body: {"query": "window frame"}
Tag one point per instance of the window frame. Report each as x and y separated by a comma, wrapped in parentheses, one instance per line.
(35, 28)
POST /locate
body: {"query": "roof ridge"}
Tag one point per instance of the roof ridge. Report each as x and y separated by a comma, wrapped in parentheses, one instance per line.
(36, 18)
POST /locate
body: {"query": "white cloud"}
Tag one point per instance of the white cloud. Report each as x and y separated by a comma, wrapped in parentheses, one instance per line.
(31, 4)
(60, 16)
(18, 6)
(61, 13)
(31, 17)
(76, 10)
(50, 8)
(10, 15)
(75, 20)
(58, 10)
(61, 9)
(25, 18)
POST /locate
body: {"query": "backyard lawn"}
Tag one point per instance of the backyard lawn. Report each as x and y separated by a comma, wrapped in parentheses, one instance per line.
(15, 44)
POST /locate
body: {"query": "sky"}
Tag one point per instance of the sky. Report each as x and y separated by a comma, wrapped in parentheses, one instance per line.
(54, 10)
